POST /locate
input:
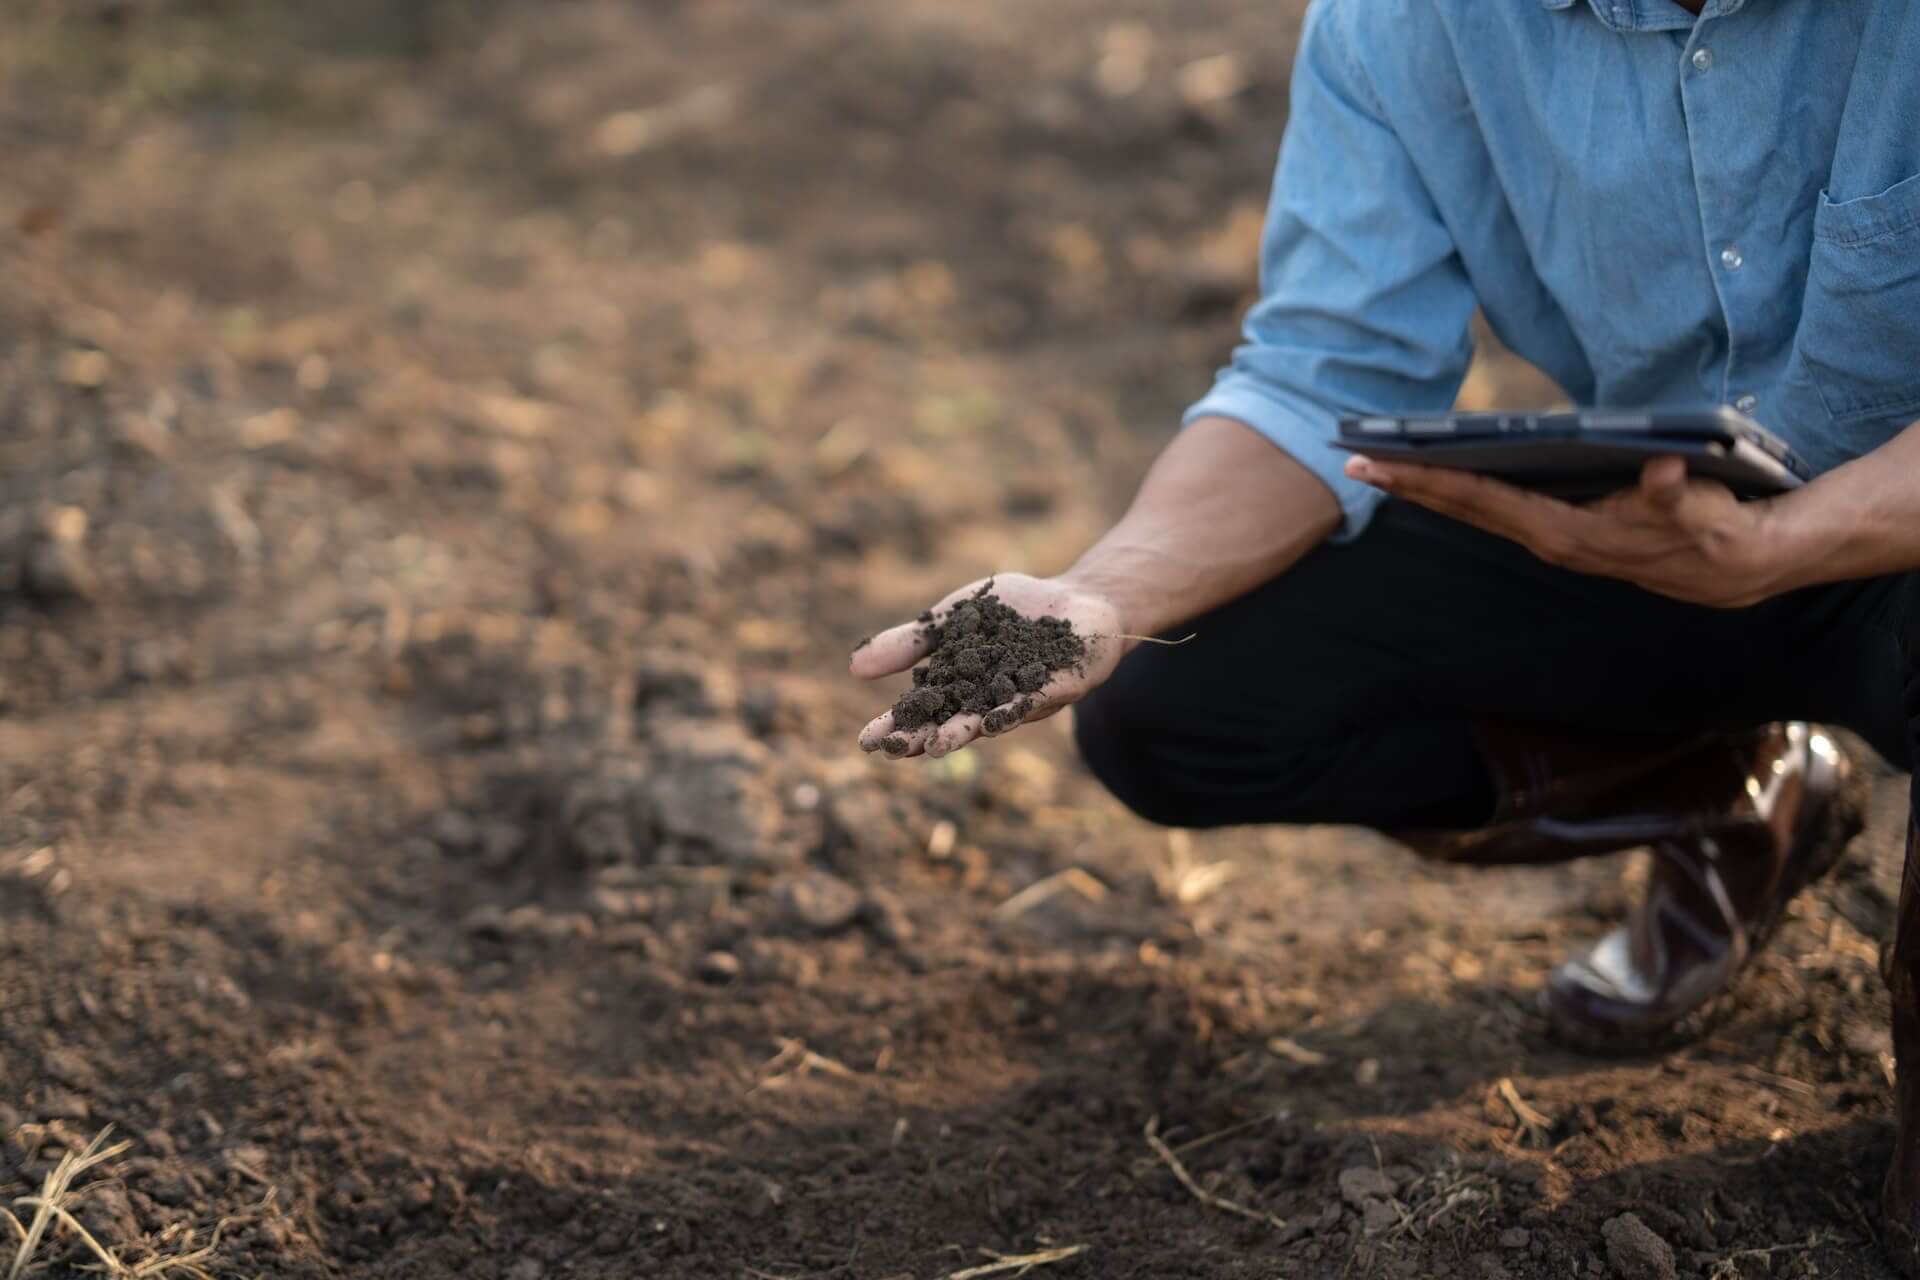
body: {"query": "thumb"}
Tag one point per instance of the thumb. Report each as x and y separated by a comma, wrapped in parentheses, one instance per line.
(1664, 481)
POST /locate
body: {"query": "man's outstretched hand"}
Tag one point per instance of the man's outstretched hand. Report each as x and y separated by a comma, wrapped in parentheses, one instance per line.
(1094, 619)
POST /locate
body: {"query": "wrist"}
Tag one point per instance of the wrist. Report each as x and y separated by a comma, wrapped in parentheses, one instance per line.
(1119, 583)
(1799, 542)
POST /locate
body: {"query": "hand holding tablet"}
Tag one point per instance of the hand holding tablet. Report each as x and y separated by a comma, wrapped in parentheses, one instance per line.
(1585, 454)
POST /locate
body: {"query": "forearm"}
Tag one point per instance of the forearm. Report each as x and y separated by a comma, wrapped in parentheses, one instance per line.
(1221, 511)
(1859, 520)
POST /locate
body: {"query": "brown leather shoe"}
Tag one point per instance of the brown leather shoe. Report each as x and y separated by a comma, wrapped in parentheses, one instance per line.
(1900, 1196)
(1768, 817)
(1738, 823)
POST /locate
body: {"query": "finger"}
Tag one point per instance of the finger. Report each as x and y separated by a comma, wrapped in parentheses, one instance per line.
(893, 650)
(908, 744)
(1664, 481)
(1005, 718)
(877, 728)
(898, 648)
(1493, 505)
(1064, 689)
(954, 734)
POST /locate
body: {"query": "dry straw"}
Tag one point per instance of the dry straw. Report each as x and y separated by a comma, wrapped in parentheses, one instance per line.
(53, 1207)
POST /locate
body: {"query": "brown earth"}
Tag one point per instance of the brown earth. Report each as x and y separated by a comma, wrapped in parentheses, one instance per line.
(446, 452)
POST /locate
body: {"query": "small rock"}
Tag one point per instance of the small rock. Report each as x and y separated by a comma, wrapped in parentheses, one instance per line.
(620, 904)
(760, 711)
(887, 917)
(563, 926)
(632, 936)
(1377, 1216)
(70, 1068)
(500, 841)
(1635, 1251)
(718, 967)
(1515, 1238)
(171, 1186)
(245, 1160)
(817, 900)
(1487, 1266)
(9, 1120)
(455, 831)
(1329, 1217)
(57, 565)
(480, 729)
(63, 1104)
(713, 794)
(143, 435)
(1524, 1174)
(147, 660)
(527, 920)
(106, 1212)
(864, 819)
(85, 368)
(1362, 1183)
(606, 813)
(486, 921)
(526, 1269)
(604, 837)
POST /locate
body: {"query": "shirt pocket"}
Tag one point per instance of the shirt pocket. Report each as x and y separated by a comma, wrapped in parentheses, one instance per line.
(1860, 325)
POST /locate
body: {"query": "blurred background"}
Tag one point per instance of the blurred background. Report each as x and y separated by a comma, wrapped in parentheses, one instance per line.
(446, 452)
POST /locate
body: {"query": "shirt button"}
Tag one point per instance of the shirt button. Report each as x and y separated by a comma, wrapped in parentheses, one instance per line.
(1730, 258)
(1702, 59)
(1747, 404)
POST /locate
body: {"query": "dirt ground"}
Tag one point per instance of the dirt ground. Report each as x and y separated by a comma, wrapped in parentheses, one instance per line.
(446, 452)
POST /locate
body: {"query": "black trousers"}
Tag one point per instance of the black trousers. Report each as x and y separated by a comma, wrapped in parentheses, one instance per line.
(1343, 691)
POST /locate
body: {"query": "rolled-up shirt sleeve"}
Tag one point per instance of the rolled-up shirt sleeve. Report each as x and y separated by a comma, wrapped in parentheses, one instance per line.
(1365, 306)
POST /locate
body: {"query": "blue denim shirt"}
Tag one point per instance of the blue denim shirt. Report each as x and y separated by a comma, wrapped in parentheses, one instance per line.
(1654, 209)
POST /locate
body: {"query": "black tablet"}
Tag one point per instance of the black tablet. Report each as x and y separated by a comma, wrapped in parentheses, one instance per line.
(1588, 453)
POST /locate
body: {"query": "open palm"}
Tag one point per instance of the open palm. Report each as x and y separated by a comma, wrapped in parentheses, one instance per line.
(1094, 619)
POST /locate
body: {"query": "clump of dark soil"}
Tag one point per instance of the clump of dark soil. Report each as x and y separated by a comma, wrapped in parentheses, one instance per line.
(987, 660)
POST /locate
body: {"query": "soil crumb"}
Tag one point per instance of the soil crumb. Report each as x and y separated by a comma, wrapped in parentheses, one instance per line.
(987, 660)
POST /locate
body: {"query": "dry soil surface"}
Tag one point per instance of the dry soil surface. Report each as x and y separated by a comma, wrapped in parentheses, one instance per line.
(446, 451)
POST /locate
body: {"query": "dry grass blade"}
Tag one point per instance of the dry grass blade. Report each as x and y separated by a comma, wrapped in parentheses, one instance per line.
(1073, 878)
(1295, 1052)
(795, 1059)
(1727, 1266)
(1537, 1127)
(1017, 1264)
(50, 1205)
(1172, 1161)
